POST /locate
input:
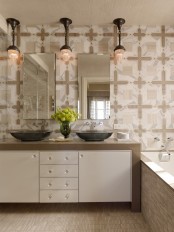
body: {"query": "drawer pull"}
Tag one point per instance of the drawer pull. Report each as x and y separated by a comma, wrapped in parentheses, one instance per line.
(50, 196)
(50, 158)
(66, 171)
(34, 156)
(66, 185)
(81, 156)
(50, 171)
(66, 158)
(49, 185)
(67, 196)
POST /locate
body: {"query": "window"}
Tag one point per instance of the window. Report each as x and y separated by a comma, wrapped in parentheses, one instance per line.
(99, 107)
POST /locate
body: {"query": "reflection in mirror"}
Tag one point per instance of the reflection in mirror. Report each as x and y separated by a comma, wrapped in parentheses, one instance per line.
(38, 85)
(94, 86)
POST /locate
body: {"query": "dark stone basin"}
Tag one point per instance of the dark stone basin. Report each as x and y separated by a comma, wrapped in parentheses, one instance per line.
(30, 135)
(94, 135)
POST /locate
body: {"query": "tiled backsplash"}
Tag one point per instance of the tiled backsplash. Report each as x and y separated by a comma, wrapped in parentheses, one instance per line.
(141, 86)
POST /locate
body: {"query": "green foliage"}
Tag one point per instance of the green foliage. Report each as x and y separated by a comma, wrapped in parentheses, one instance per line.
(65, 115)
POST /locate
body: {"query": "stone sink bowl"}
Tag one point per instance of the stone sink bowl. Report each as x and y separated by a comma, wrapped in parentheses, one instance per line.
(94, 135)
(30, 135)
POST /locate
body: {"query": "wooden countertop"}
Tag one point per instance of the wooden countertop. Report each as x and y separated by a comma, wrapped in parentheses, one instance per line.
(75, 144)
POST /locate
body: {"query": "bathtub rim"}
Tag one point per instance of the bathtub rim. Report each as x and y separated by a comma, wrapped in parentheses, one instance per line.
(149, 163)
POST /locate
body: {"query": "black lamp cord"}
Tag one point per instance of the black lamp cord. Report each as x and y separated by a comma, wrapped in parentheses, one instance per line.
(66, 34)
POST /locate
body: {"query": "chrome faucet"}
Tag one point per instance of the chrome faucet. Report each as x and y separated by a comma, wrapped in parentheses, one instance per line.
(167, 143)
(42, 124)
(156, 139)
(93, 125)
(164, 154)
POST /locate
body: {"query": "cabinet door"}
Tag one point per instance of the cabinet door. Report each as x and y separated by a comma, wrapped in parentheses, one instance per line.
(105, 176)
(19, 176)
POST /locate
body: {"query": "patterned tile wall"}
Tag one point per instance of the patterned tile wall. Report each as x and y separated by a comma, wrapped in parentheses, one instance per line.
(3, 84)
(142, 85)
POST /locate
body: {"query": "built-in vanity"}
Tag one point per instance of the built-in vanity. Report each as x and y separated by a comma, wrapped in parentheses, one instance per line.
(73, 171)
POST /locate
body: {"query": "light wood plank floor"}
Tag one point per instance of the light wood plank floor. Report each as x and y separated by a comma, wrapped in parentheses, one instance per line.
(82, 217)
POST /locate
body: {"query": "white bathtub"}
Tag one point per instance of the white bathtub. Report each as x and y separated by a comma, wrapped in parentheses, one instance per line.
(163, 169)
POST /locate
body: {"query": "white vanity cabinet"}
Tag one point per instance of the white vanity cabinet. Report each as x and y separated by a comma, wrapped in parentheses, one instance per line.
(105, 176)
(75, 171)
(59, 176)
(19, 176)
(66, 176)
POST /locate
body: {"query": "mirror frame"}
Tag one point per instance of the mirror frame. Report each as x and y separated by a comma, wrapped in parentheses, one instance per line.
(51, 98)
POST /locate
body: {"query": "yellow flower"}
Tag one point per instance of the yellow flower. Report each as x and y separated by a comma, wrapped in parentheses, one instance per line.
(65, 115)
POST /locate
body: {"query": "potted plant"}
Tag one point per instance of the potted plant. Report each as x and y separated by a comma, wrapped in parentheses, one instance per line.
(64, 116)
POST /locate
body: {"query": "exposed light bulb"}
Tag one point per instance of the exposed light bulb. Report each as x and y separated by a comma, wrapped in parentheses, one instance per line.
(13, 54)
(118, 55)
(65, 55)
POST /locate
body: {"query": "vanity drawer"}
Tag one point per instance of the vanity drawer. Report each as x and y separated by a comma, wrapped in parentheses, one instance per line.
(61, 157)
(59, 196)
(58, 170)
(58, 183)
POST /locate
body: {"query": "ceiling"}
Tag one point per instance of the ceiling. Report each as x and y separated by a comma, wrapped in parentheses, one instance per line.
(89, 12)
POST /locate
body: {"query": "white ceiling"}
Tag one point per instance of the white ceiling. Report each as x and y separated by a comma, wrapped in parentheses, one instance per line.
(89, 12)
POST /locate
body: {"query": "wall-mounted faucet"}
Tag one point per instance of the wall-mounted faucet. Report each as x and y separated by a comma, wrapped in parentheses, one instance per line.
(156, 139)
(164, 154)
(43, 123)
(170, 139)
(167, 142)
(93, 125)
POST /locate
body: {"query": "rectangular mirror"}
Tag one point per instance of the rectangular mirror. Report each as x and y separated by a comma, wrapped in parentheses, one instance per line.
(38, 85)
(94, 86)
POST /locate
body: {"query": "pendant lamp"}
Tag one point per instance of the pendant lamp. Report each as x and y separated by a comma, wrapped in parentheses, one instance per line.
(13, 51)
(65, 50)
(119, 49)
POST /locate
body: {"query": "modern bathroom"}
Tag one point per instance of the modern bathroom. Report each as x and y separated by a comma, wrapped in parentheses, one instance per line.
(86, 116)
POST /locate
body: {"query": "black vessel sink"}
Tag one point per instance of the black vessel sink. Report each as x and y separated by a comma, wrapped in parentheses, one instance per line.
(30, 135)
(94, 135)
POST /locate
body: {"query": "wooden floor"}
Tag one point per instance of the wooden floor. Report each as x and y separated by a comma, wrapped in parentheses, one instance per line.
(93, 217)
